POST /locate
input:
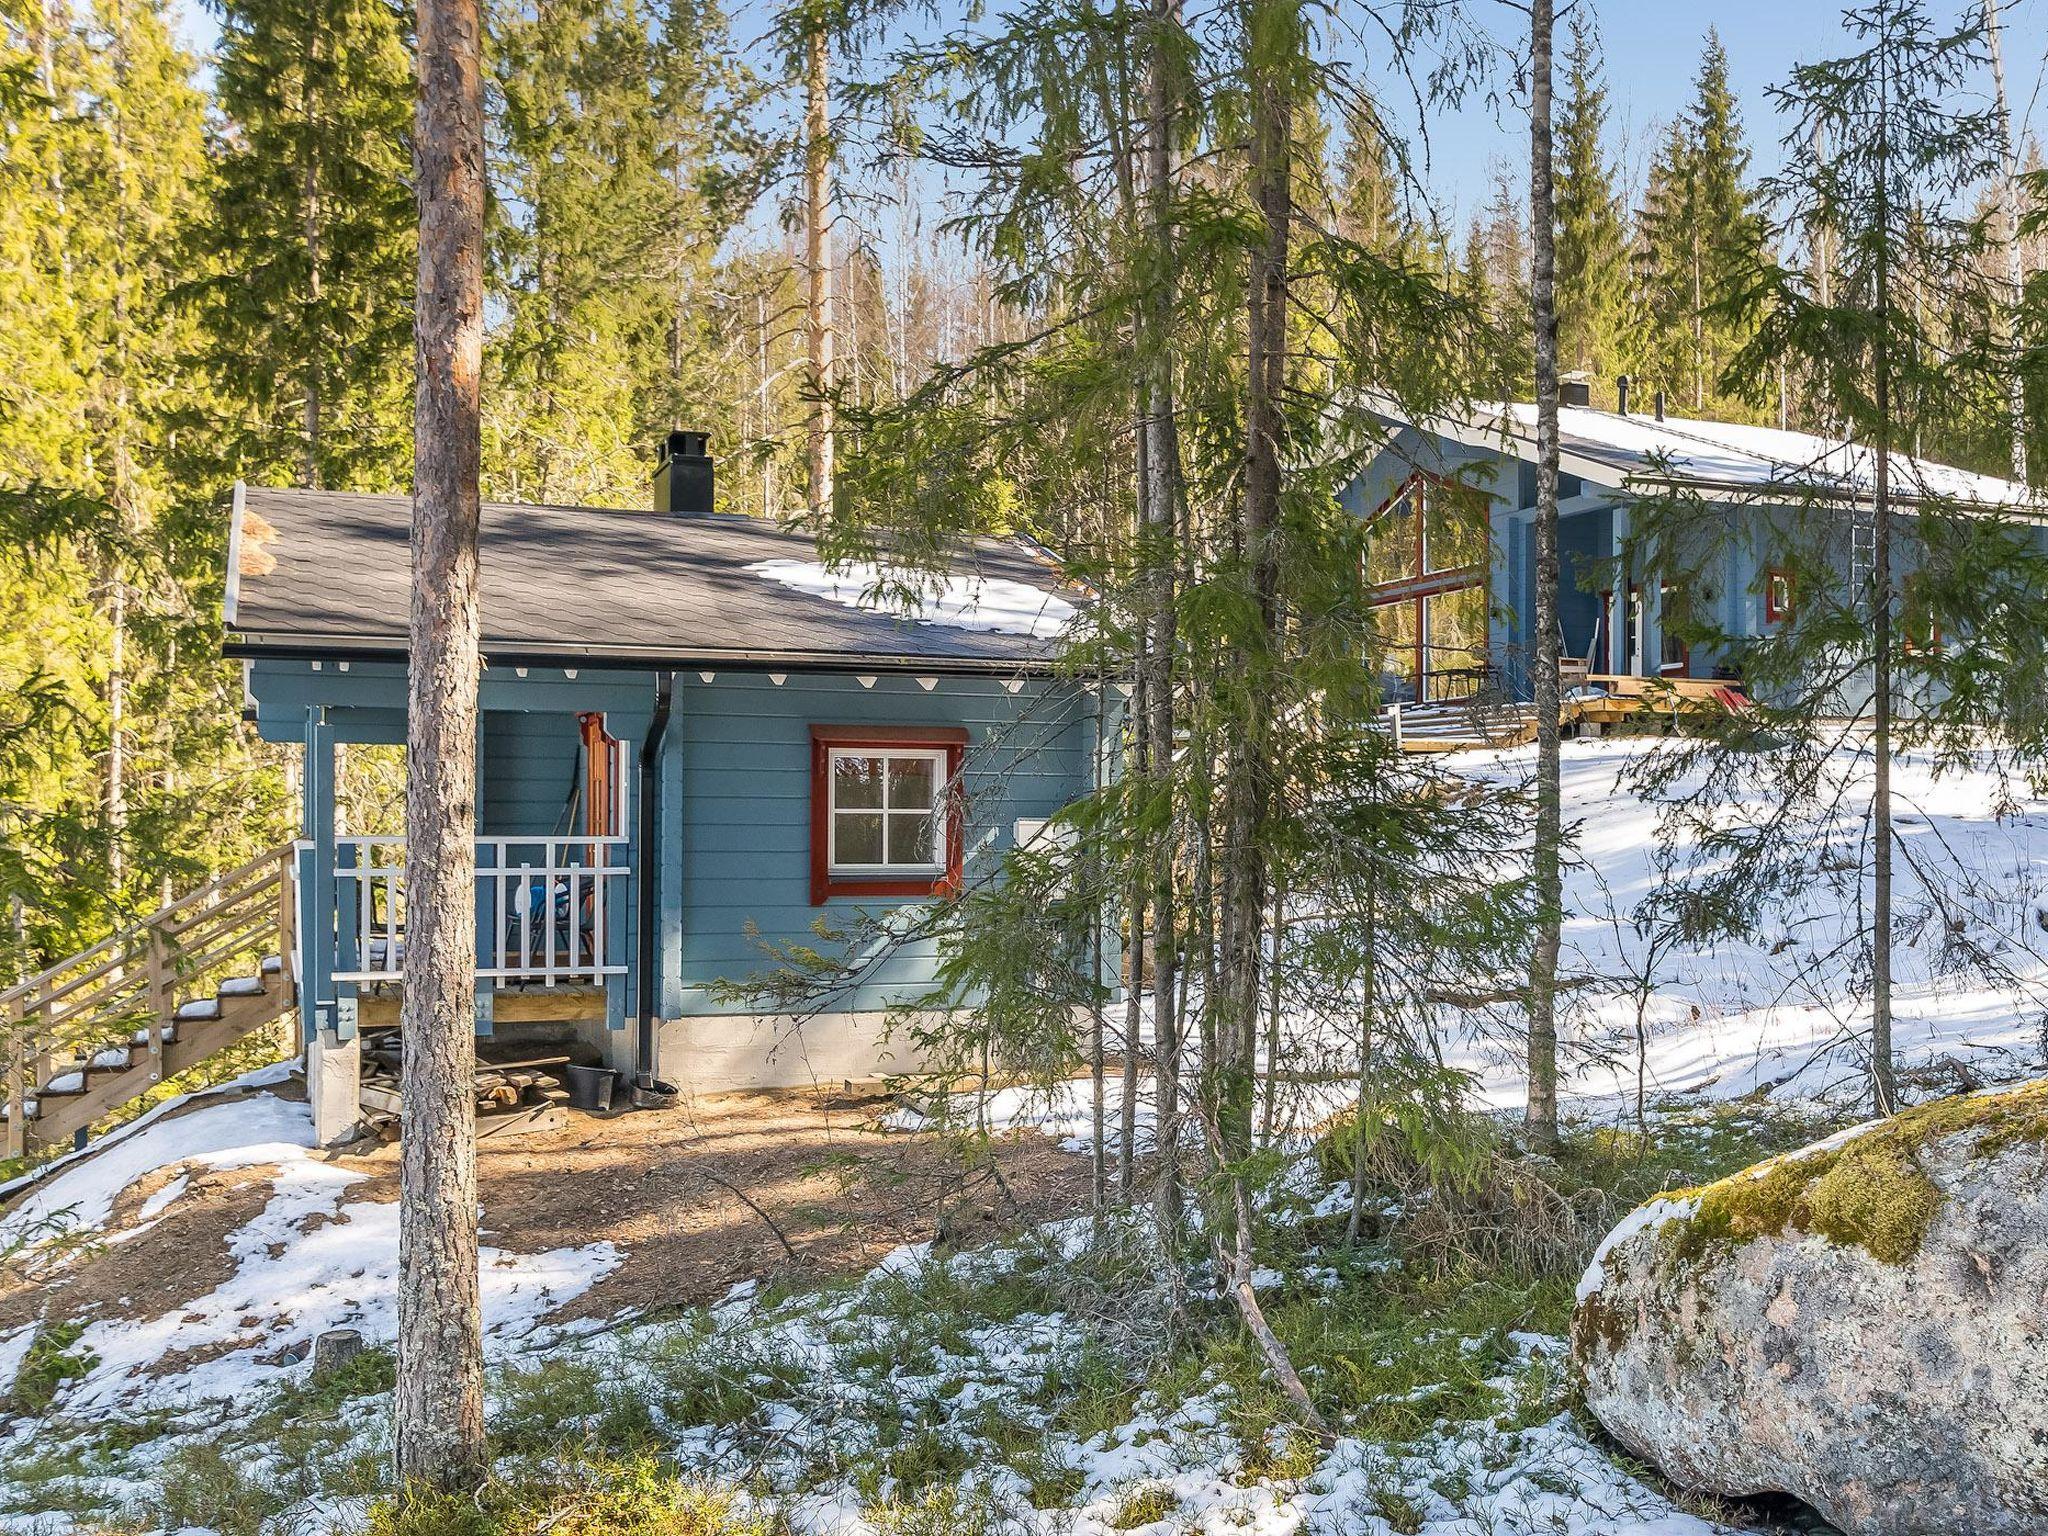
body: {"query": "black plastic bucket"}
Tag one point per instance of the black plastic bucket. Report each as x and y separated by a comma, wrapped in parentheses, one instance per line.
(591, 1087)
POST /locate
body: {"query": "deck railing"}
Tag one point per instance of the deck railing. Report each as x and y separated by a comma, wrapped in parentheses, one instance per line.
(547, 908)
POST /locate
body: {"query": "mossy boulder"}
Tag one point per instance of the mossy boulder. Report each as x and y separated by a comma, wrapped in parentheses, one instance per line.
(1862, 1325)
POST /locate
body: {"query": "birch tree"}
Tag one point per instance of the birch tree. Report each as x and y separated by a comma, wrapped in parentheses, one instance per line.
(439, 1398)
(1541, 1110)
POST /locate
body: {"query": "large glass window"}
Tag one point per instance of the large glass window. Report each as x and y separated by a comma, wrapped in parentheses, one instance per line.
(1425, 566)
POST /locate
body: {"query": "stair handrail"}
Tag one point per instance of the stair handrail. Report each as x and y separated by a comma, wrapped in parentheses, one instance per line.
(134, 976)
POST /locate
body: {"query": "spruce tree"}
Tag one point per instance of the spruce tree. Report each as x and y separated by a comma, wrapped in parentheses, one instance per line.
(1700, 234)
(1593, 323)
(1911, 614)
(307, 249)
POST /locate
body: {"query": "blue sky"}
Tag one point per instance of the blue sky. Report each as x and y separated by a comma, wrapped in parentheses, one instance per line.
(1652, 50)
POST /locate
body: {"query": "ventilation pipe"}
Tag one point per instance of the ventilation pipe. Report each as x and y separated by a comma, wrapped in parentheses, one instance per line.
(1621, 394)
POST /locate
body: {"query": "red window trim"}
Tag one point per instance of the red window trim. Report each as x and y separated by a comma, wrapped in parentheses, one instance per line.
(1774, 611)
(952, 740)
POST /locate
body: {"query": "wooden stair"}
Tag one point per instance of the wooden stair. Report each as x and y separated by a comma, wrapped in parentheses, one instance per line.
(91, 1033)
(1459, 726)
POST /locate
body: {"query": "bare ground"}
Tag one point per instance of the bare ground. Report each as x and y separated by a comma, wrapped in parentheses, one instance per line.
(720, 1189)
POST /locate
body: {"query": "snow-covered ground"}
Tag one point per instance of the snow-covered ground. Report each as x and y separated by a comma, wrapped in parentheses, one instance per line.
(825, 1380)
(311, 1259)
(1784, 1014)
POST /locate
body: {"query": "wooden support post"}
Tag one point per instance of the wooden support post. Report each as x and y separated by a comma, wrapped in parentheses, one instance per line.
(160, 993)
(287, 929)
(17, 1101)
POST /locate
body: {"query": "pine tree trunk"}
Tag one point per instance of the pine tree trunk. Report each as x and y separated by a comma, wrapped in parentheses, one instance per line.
(818, 317)
(1541, 1114)
(438, 1407)
(1127, 1110)
(309, 234)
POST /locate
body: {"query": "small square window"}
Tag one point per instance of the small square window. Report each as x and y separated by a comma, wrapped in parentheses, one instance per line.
(884, 811)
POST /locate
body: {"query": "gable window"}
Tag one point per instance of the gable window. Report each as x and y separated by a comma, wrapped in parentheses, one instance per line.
(885, 810)
(1777, 595)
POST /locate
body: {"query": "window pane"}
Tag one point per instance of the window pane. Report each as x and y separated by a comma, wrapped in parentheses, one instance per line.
(1390, 550)
(910, 838)
(859, 838)
(912, 783)
(1454, 630)
(856, 781)
(1457, 626)
(1394, 625)
(1453, 528)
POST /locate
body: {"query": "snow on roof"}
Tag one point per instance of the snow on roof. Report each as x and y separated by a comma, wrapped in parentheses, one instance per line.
(1726, 455)
(993, 604)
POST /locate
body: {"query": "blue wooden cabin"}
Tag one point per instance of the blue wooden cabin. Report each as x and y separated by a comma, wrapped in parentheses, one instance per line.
(695, 741)
(1456, 595)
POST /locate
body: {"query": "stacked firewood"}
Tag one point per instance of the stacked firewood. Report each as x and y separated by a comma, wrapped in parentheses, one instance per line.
(509, 1094)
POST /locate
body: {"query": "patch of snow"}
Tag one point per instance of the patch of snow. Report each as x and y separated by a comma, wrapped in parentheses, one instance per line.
(308, 1263)
(199, 1008)
(1647, 1217)
(164, 1198)
(260, 1129)
(241, 986)
(13, 1346)
(66, 1082)
(993, 604)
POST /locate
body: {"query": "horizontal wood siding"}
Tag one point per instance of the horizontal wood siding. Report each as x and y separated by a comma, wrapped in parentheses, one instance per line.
(525, 772)
(742, 829)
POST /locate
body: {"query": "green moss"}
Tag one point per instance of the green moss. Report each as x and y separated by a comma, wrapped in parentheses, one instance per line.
(1871, 1192)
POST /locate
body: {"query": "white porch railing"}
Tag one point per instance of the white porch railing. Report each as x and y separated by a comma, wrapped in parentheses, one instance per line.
(545, 908)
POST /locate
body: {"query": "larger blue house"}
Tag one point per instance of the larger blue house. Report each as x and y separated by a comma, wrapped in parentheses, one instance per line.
(1451, 566)
(696, 741)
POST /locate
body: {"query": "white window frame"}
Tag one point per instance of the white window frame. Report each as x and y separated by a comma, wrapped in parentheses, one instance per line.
(937, 757)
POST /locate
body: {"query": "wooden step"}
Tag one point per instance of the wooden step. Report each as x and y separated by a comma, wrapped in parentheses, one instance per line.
(56, 1117)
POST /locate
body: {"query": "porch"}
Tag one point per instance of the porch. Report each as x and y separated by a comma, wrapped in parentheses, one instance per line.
(557, 801)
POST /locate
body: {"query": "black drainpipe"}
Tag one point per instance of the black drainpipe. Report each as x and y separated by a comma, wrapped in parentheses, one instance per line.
(650, 761)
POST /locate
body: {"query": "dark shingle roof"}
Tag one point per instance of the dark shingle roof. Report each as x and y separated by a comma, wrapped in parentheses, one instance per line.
(327, 573)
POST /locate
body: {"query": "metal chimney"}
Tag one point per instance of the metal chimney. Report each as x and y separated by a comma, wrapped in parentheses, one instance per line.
(1658, 400)
(682, 475)
(1621, 394)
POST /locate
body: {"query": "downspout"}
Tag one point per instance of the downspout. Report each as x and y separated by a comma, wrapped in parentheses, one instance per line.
(650, 806)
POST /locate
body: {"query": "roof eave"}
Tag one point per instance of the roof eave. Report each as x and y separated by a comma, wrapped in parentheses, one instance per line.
(249, 644)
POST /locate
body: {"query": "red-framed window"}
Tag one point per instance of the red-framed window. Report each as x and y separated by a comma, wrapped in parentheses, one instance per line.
(886, 811)
(1779, 594)
(1425, 569)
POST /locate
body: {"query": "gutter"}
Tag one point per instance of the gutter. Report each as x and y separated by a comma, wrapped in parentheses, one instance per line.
(318, 647)
(650, 806)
